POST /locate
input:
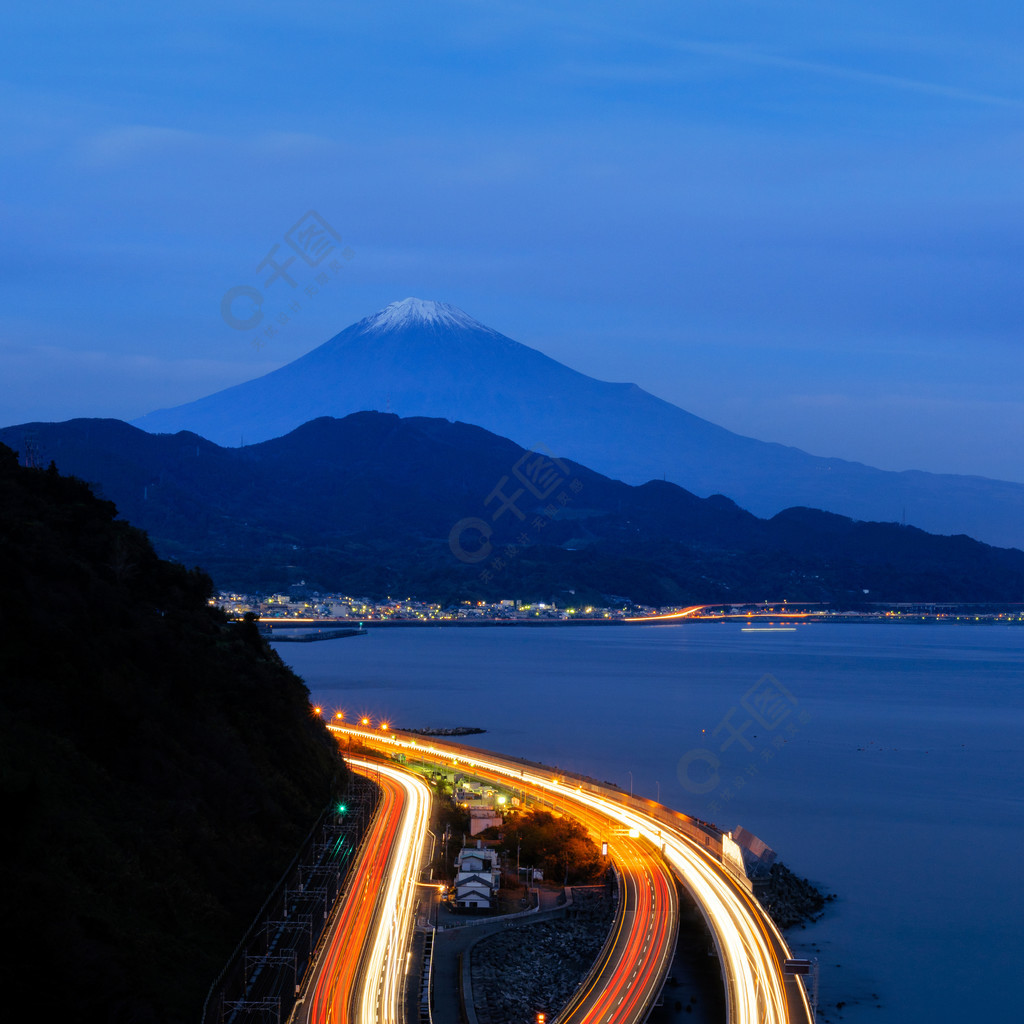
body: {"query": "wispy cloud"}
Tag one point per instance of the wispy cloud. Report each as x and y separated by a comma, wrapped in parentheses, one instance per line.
(126, 143)
(599, 25)
(745, 55)
(44, 382)
(130, 143)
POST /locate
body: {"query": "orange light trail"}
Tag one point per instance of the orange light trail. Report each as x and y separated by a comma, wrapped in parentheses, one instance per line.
(685, 613)
(750, 947)
(625, 985)
(362, 957)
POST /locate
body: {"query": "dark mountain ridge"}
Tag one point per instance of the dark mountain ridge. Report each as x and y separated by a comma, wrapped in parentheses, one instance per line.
(419, 358)
(366, 505)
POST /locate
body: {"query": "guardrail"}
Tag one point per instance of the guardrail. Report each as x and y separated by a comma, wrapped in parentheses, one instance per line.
(476, 921)
(707, 836)
(426, 1013)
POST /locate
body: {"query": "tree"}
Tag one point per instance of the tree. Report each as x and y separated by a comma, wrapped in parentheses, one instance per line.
(561, 846)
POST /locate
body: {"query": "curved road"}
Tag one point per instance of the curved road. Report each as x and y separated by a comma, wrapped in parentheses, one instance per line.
(632, 971)
(360, 970)
(631, 975)
(750, 947)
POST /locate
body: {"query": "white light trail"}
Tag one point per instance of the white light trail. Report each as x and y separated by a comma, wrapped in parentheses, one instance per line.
(380, 999)
(755, 990)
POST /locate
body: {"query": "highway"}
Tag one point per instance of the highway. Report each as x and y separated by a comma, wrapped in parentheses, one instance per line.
(632, 970)
(750, 947)
(360, 971)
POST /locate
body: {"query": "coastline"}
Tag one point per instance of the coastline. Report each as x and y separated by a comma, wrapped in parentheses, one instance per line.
(840, 618)
(939, 711)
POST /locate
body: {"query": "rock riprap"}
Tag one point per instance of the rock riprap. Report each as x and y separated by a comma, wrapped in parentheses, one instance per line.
(536, 968)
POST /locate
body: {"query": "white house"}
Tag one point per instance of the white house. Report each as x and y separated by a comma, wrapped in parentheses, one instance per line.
(477, 877)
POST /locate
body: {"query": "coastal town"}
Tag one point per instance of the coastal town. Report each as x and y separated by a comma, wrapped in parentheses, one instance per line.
(291, 610)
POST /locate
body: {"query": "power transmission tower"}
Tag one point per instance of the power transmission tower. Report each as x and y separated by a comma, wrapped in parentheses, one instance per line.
(31, 456)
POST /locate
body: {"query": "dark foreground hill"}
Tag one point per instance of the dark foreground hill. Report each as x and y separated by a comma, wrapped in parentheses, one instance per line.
(367, 505)
(158, 766)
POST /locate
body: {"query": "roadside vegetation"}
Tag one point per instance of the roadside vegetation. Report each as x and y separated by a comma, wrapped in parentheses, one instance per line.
(560, 846)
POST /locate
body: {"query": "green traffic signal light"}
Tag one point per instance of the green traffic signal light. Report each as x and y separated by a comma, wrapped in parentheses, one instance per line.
(342, 808)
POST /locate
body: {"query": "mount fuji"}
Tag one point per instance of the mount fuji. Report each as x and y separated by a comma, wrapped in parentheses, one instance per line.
(423, 358)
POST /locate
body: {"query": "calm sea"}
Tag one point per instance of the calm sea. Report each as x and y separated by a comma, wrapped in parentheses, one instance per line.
(883, 762)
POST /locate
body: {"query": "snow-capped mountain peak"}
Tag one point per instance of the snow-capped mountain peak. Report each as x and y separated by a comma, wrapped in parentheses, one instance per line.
(415, 312)
(422, 358)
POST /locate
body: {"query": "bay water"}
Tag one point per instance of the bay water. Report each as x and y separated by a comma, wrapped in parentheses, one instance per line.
(884, 762)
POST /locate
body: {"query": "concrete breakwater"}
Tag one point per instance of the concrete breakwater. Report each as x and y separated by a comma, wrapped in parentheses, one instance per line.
(307, 638)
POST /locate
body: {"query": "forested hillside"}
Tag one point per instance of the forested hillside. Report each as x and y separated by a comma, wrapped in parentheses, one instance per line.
(159, 766)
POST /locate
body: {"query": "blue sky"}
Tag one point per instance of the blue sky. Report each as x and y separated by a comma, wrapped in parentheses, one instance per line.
(801, 220)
